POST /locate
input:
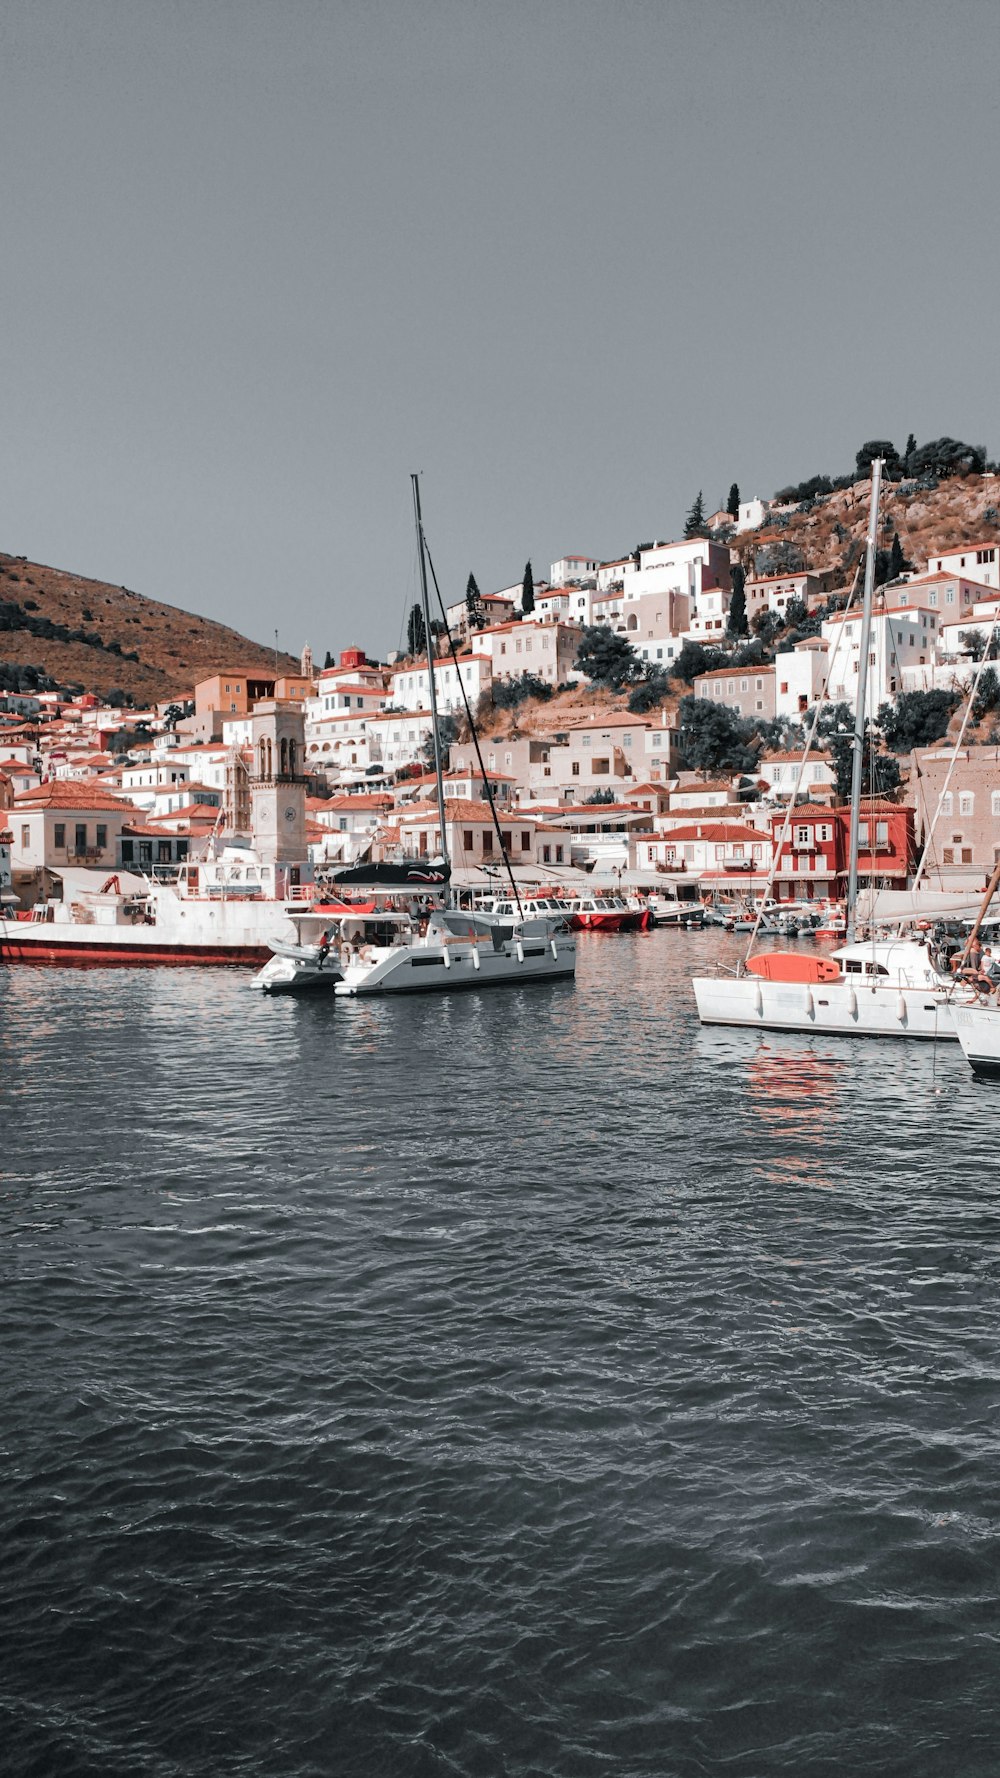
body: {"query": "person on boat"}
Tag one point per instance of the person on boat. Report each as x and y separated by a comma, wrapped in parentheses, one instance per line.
(324, 948)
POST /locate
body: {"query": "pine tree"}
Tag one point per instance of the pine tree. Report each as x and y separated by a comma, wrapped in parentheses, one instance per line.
(733, 503)
(416, 635)
(695, 523)
(527, 591)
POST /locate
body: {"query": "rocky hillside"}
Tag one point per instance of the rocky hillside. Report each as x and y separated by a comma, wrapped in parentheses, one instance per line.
(829, 531)
(103, 638)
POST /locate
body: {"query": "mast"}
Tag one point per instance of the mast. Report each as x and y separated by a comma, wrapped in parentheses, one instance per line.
(859, 711)
(428, 638)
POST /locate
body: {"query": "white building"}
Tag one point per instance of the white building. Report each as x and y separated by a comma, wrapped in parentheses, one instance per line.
(901, 637)
(752, 514)
(788, 774)
(569, 569)
(546, 650)
(397, 738)
(410, 687)
(799, 677)
(978, 560)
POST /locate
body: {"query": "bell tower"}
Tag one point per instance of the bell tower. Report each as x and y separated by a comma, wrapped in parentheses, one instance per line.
(278, 787)
(306, 664)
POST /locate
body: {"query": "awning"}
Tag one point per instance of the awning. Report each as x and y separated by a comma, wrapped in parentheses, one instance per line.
(78, 881)
(918, 904)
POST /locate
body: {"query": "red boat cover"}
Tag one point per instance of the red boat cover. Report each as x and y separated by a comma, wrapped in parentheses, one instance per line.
(793, 966)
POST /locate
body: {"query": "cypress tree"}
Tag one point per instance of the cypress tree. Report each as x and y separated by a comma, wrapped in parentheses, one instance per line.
(733, 503)
(416, 635)
(738, 625)
(897, 560)
(527, 591)
(472, 604)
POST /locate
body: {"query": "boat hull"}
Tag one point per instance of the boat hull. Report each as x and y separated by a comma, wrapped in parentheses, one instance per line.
(978, 1031)
(423, 970)
(90, 949)
(842, 1008)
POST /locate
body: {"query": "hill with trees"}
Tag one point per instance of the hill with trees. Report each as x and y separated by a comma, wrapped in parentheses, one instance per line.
(61, 629)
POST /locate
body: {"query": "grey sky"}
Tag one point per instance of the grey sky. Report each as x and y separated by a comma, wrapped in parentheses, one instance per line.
(571, 260)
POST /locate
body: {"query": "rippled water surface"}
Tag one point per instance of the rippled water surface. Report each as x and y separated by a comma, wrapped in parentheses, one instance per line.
(515, 1383)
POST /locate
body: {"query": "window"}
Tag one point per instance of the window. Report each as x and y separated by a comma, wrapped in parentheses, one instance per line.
(585, 740)
(145, 851)
(995, 802)
(163, 851)
(626, 740)
(466, 839)
(947, 803)
(487, 843)
(81, 836)
(862, 833)
(966, 854)
(576, 768)
(26, 838)
(882, 834)
(128, 851)
(966, 802)
(559, 854)
(803, 836)
(58, 835)
(546, 854)
(525, 842)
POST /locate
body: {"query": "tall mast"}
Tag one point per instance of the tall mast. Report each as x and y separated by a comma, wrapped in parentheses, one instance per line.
(857, 763)
(428, 638)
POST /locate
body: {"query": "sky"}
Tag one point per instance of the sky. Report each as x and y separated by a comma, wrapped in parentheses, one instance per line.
(572, 261)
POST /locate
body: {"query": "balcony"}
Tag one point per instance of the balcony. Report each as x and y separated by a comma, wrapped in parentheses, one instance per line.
(85, 854)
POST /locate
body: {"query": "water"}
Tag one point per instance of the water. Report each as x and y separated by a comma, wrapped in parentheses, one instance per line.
(516, 1383)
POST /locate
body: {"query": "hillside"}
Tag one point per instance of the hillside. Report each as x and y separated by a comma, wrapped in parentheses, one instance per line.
(829, 531)
(108, 625)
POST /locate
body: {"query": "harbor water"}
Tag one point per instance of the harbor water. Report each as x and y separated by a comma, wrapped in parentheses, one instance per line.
(527, 1383)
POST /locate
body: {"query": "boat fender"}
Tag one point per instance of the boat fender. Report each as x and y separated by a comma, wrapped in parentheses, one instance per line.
(810, 1004)
(446, 957)
(554, 949)
(758, 1000)
(852, 1003)
(476, 964)
(520, 950)
(901, 1009)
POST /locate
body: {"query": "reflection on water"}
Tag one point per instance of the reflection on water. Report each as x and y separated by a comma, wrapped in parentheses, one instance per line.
(517, 1383)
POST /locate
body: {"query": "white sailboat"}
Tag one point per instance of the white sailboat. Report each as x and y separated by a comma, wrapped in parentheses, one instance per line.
(879, 988)
(382, 949)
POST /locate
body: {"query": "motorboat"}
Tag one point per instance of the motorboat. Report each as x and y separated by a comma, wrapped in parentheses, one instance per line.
(458, 950)
(977, 1027)
(601, 913)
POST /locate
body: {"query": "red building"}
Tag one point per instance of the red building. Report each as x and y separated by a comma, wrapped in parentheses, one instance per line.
(813, 863)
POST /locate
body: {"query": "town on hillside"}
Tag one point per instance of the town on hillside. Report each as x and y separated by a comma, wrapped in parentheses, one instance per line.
(641, 719)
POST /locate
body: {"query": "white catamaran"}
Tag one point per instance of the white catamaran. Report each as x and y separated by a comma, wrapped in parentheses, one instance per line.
(385, 948)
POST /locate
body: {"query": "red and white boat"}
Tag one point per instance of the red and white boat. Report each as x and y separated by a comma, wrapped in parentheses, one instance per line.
(601, 913)
(215, 914)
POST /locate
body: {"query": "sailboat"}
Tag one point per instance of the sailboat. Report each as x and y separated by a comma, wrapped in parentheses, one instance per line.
(888, 987)
(382, 948)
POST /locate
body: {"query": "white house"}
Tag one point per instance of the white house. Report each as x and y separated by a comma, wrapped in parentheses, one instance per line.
(981, 560)
(572, 568)
(752, 514)
(788, 774)
(546, 650)
(901, 637)
(799, 677)
(397, 738)
(410, 687)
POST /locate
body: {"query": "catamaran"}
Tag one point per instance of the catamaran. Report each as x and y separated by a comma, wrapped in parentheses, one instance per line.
(391, 949)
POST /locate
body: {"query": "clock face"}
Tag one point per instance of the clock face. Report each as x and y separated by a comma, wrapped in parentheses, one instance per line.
(289, 814)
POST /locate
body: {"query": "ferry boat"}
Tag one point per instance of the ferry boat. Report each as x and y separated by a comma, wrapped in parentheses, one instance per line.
(216, 914)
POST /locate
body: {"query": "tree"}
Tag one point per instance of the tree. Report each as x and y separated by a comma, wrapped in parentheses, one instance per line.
(694, 659)
(328, 661)
(947, 456)
(607, 659)
(988, 696)
(911, 445)
(416, 635)
(447, 729)
(738, 625)
(733, 503)
(715, 739)
(879, 771)
(916, 719)
(508, 693)
(765, 626)
(527, 591)
(897, 561)
(473, 604)
(650, 692)
(694, 524)
(601, 796)
(877, 447)
(974, 644)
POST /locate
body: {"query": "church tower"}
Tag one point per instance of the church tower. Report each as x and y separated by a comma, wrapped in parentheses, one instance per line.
(278, 790)
(307, 662)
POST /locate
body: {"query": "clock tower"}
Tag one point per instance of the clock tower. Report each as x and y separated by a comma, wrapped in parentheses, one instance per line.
(278, 789)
